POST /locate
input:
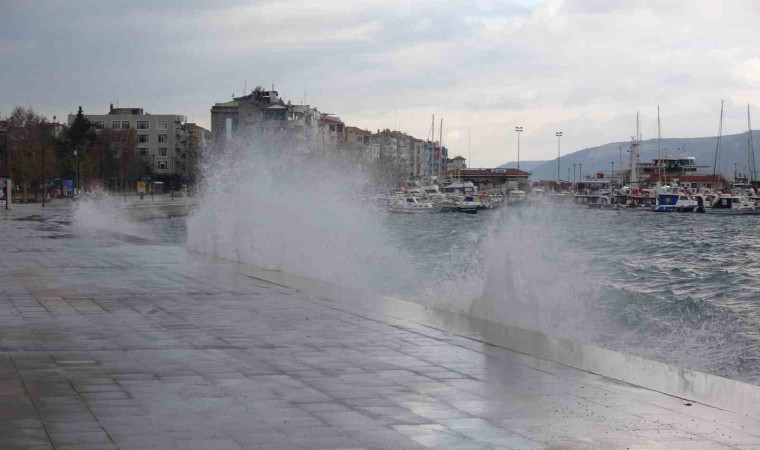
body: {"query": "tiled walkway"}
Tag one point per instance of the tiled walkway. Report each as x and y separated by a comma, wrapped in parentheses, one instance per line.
(106, 343)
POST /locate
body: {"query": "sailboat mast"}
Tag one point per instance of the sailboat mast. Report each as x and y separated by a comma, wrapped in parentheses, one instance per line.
(716, 168)
(432, 140)
(659, 145)
(751, 152)
(440, 142)
(635, 156)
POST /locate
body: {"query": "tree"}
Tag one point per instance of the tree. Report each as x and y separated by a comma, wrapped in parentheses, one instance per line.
(31, 142)
(80, 136)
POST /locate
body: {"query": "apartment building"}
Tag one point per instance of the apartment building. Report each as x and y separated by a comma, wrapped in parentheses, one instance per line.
(161, 139)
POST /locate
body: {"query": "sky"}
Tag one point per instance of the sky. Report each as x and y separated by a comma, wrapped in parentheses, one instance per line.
(583, 67)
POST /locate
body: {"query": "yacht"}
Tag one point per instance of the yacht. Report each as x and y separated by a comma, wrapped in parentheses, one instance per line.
(516, 197)
(733, 205)
(410, 205)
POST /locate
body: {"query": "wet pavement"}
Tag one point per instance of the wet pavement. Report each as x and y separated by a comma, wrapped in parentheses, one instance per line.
(108, 342)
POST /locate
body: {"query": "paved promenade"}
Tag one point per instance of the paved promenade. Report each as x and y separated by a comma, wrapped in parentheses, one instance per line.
(116, 343)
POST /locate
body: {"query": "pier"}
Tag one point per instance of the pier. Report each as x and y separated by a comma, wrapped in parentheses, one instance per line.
(110, 341)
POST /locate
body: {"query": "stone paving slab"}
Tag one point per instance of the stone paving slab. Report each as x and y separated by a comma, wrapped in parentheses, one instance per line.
(113, 344)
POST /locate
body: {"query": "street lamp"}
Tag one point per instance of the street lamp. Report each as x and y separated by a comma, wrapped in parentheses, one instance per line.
(574, 176)
(518, 130)
(8, 187)
(580, 172)
(612, 171)
(559, 136)
(76, 172)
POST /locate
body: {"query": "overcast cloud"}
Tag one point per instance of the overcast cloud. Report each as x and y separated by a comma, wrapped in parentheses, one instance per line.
(580, 67)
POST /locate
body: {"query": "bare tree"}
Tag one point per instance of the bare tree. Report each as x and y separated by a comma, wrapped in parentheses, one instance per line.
(30, 138)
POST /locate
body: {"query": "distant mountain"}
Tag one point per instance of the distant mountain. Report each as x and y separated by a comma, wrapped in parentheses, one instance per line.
(598, 159)
(524, 165)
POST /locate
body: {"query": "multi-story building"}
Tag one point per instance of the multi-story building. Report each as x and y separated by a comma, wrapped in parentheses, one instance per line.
(418, 154)
(198, 140)
(264, 110)
(459, 162)
(160, 138)
(332, 130)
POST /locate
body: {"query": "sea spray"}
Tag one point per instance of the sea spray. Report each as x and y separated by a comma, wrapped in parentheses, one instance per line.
(285, 206)
(98, 212)
(522, 274)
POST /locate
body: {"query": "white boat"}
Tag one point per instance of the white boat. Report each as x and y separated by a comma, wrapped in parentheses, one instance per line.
(461, 188)
(469, 204)
(515, 197)
(733, 205)
(410, 205)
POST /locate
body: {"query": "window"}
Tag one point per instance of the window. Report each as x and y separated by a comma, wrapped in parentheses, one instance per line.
(178, 151)
(115, 124)
(143, 138)
(142, 125)
(162, 165)
(162, 151)
(332, 127)
(124, 124)
(142, 151)
(163, 125)
(99, 125)
(161, 138)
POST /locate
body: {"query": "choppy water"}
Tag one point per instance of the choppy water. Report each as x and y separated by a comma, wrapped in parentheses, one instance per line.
(682, 288)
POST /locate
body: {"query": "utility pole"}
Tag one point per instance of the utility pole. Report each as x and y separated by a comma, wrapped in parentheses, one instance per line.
(518, 130)
(574, 176)
(559, 136)
(612, 171)
(8, 187)
(76, 171)
(44, 181)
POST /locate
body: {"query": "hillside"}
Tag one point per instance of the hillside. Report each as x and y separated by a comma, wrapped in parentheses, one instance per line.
(524, 165)
(597, 159)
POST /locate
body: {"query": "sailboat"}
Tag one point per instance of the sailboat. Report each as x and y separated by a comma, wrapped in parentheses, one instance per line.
(735, 204)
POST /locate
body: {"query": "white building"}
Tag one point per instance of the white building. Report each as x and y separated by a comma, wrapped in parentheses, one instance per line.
(161, 139)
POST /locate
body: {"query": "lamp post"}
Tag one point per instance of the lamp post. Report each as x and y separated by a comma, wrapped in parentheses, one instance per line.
(76, 171)
(44, 182)
(8, 187)
(518, 130)
(735, 164)
(612, 170)
(173, 175)
(574, 176)
(580, 172)
(559, 136)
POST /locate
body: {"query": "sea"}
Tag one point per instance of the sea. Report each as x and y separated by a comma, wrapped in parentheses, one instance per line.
(681, 288)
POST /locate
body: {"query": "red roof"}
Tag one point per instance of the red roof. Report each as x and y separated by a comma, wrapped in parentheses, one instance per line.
(488, 172)
(358, 130)
(330, 120)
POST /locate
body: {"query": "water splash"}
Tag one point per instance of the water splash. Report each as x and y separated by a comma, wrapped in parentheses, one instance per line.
(294, 209)
(100, 212)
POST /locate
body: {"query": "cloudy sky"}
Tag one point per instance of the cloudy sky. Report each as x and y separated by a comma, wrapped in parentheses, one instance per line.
(581, 67)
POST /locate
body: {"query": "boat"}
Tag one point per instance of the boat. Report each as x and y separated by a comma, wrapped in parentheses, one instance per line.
(410, 205)
(469, 205)
(515, 197)
(675, 202)
(733, 205)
